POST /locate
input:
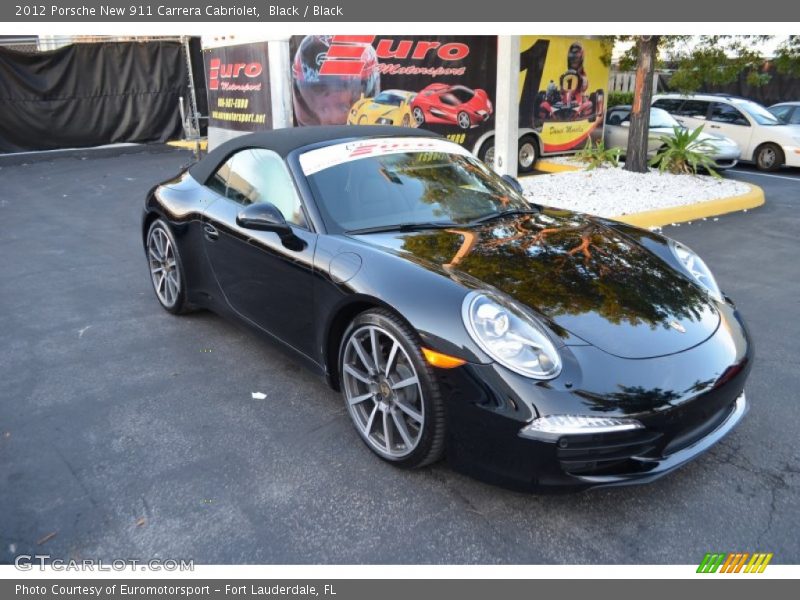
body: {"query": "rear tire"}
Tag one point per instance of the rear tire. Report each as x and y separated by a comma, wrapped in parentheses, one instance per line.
(527, 153)
(769, 157)
(166, 269)
(390, 391)
(486, 152)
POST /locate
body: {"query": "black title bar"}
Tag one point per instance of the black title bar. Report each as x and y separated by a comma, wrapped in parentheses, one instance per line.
(325, 11)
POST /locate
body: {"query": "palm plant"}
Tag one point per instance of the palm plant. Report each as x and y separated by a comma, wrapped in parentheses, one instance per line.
(684, 152)
(598, 155)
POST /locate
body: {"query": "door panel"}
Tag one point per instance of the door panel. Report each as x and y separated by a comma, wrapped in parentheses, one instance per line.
(728, 121)
(261, 279)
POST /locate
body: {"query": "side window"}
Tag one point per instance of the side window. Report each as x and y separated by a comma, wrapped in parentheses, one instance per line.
(693, 108)
(782, 112)
(617, 117)
(259, 175)
(795, 118)
(671, 105)
(219, 180)
(725, 113)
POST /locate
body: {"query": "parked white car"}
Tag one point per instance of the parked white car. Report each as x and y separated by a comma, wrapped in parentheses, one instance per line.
(723, 151)
(761, 137)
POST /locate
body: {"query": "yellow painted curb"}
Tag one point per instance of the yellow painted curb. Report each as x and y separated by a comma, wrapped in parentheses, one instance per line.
(552, 167)
(692, 212)
(188, 144)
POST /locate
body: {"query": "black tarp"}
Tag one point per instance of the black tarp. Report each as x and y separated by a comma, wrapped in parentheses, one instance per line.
(91, 94)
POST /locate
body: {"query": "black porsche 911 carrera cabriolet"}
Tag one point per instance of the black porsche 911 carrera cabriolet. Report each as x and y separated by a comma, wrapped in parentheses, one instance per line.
(532, 346)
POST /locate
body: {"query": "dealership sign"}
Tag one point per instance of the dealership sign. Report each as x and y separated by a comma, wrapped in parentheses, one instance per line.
(238, 87)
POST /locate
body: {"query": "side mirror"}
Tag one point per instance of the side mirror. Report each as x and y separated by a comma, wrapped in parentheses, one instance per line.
(265, 216)
(625, 124)
(513, 182)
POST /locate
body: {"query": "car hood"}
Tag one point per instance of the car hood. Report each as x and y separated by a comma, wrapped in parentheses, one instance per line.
(586, 279)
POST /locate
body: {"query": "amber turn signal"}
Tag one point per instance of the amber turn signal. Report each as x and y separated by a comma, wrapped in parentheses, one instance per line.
(443, 361)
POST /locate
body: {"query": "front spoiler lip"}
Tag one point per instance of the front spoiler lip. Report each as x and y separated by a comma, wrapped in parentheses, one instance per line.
(671, 462)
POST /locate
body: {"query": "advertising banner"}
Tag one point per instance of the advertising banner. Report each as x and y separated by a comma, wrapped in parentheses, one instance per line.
(237, 79)
(562, 85)
(443, 83)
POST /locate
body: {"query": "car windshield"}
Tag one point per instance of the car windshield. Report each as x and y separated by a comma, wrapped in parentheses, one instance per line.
(461, 94)
(389, 99)
(662, 119)
(406, 189)
(761, 115)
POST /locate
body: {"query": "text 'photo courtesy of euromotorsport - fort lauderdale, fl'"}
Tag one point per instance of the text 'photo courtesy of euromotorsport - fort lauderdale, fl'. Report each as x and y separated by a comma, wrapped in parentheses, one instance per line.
(357, 300)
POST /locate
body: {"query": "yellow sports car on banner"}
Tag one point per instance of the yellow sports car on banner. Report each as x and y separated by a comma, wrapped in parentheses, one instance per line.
(390, 107)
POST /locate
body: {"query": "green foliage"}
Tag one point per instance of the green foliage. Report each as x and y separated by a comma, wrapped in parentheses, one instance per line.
(617, 98)
(598, 155)
(718, 60)
(787, 56)
(684, 153)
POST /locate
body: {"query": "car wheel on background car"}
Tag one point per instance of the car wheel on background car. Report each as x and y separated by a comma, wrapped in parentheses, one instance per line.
(526, 156)
(486, 152)
(406, 121)
(390, 392)
(769, 157)
(463, 120)
(166, 269)
(419, 115)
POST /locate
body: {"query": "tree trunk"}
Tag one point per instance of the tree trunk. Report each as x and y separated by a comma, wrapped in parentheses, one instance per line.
(636, 155)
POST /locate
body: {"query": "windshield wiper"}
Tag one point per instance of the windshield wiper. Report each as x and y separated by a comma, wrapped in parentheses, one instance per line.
(503, 213)
(402, 227)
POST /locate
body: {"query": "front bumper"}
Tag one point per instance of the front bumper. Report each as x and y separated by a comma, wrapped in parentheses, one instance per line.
(726, 158)
(648, 468)
(685, 403)
(792, 155)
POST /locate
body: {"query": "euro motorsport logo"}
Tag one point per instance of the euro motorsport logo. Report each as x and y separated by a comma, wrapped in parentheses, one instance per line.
(734, 562)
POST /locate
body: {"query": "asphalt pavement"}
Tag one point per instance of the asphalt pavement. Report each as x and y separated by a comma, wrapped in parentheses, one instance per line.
(126, 432)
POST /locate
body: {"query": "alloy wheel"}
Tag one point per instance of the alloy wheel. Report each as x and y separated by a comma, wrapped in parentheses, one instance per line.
(163, 267)
(383, 392)
(527, 155)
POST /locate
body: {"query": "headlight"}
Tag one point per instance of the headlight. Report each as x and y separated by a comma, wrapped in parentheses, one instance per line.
(577, 424)
(510, 336)
(694, 266)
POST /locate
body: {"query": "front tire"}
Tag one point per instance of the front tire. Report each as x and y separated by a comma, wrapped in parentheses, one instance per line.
(166, 268)
(390, 392)
(769, 157)
(419, 115)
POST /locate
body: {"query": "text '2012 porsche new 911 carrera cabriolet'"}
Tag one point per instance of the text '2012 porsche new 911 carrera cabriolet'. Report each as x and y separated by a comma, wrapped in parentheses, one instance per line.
(533, 347)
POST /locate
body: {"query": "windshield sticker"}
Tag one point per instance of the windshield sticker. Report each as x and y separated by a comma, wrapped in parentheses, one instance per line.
(330, 156)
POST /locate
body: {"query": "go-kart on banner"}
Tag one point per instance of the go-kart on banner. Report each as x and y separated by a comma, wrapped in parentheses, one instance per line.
(343, 11)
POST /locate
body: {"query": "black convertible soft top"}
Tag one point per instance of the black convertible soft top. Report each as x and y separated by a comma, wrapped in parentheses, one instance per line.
(283, 141)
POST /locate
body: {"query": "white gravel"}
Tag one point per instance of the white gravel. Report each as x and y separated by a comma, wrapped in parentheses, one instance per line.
(610, 192)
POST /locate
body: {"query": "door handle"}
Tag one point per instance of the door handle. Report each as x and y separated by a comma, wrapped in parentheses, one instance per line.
(211, 232)
(714, 126)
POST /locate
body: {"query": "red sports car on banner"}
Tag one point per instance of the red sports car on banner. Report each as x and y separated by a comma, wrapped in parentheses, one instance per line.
(452, 105)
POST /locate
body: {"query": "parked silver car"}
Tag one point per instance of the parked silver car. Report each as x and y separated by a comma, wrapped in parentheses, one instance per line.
(725, 151)
(788, 113)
